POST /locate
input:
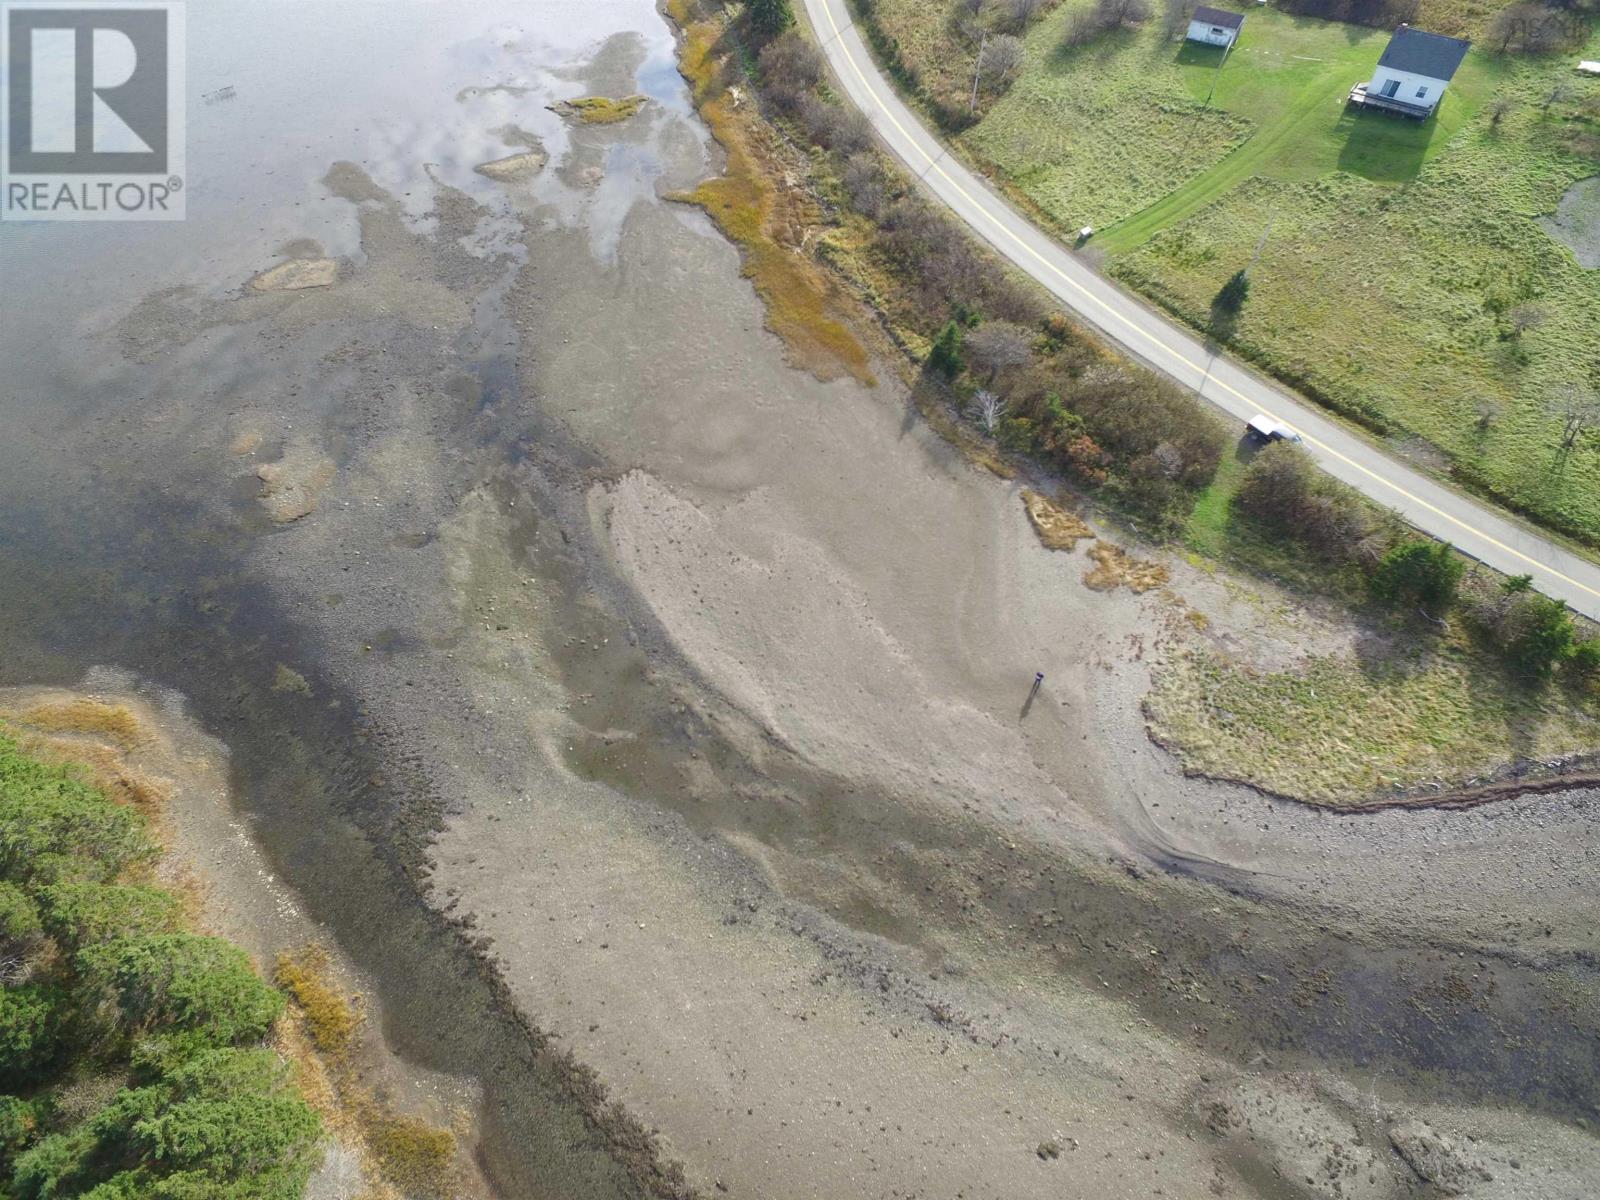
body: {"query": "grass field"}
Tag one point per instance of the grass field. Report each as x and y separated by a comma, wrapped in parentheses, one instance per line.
(1120, 128)
(1389, 255)
(1342, 731)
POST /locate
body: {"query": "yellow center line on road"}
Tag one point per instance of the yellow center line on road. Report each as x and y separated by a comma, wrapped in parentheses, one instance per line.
(933, 165)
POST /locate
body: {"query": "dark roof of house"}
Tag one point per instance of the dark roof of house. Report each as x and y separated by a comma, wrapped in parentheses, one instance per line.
(1219, 16)
(1423, 53)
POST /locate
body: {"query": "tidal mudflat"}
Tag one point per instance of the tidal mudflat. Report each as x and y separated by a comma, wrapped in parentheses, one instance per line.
(644, 718)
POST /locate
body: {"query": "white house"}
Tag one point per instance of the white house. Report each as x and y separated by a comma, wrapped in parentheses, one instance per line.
(1412, 72)
(1214, 26)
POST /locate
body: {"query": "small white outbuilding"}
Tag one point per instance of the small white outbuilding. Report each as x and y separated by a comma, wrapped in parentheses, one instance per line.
(1215, 26)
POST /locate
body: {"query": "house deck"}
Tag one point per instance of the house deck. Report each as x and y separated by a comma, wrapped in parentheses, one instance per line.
(1359, 97)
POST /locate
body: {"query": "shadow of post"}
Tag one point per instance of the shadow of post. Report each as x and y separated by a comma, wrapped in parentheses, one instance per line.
(1033, 692)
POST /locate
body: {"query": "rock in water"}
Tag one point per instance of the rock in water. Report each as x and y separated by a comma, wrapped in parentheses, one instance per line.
(513, 167)
(291, 487)
(297, 274)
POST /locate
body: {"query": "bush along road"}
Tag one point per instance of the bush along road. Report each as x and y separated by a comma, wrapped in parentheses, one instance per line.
(1436, 509)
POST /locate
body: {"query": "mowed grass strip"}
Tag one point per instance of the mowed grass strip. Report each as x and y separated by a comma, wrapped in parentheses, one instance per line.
(1396, 305)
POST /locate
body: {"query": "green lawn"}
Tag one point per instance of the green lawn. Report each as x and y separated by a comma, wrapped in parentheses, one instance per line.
(1392, 302)
(1392, 253)
(1119, 132)
(1289, 77)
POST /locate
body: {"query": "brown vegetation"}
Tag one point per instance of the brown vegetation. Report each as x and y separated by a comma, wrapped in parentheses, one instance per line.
(1057, 528)
(1530, 28)
(85, 715)
(1285, 492)
(768, 223)
(332, 1017)
(1104, 17)
(1115, 567)
(412, 1157)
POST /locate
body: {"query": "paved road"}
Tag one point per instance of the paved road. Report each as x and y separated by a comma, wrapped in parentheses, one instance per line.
(1441, 511)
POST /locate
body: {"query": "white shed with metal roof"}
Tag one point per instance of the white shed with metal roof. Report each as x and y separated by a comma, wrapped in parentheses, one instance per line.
(1214, 26)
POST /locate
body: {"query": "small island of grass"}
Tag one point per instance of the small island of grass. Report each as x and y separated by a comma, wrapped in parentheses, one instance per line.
(601, 110)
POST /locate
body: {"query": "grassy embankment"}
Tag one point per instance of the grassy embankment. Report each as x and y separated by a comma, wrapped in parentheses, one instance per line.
(603, 110)
(1401, 254)
(1346, 732)
(1277, 752)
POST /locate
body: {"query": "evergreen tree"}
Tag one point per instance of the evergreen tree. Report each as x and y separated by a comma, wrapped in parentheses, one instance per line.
(770, 17)
(945, 357)
(1544, 635)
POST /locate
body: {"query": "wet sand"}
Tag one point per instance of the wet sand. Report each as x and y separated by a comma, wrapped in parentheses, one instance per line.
(663, 707)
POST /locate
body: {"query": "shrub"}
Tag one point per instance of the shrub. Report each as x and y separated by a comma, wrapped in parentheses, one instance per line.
(1380, 14)
(19, 1120)
(1154, 480)
(1085, 460)
(30, 1022)
(55, 824)
(1419, 572)
(20, 924)
(1010, 15)
(790, 69)
(913, 229)
(999, 346)
(1532, 29)
(182, 982)
(999, 62)
(834, 127)
(1584, 661)
(226, 1124)
(1104, 17)
(1283, 491)
(865, 184)
(792, 60)
(1538, 634)
(79, 913)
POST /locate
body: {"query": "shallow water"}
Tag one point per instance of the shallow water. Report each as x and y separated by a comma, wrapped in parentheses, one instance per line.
(119, 546)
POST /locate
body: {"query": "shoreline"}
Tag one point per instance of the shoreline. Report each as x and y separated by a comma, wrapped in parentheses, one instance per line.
(132, 736)
(753, 130)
